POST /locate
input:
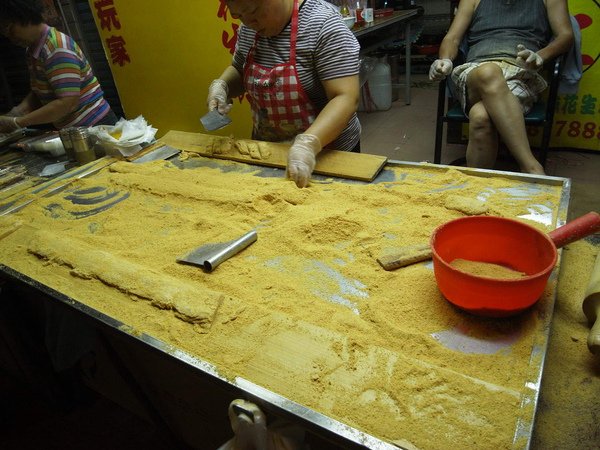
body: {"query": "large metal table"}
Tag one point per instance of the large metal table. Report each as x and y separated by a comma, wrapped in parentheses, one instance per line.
(118, 336)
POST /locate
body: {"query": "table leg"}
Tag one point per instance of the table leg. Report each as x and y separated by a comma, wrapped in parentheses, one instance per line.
(407, 63)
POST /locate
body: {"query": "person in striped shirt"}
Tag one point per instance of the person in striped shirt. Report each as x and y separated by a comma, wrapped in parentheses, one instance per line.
(64, 90)
(298, 65)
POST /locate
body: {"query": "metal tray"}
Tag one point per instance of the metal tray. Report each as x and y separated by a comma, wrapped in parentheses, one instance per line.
(340, 433)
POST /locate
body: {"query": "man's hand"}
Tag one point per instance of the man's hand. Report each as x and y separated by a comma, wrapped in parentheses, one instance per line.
(218, 93)
(301, 158)
(440, 69)
(528, 59)
(8, 124)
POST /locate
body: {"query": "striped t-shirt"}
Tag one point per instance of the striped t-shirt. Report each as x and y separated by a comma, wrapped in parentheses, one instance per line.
(326, 49)
(58, 68)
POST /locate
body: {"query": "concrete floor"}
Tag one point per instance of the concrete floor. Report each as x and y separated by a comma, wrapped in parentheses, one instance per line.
(407, 133)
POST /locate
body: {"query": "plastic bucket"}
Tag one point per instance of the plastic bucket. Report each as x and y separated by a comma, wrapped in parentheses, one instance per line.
(505, 242)
(376, 93)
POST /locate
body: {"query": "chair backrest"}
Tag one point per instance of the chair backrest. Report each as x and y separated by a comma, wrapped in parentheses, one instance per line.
(446, 87)
(537, 115)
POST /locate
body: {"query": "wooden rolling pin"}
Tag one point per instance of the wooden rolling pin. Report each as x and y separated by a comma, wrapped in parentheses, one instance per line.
(591, 308)
(405, 257)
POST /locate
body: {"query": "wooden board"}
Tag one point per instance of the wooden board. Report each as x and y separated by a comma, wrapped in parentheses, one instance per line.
(356, 166)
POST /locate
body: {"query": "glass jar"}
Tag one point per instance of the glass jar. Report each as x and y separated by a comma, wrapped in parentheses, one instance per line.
(84, 153)
(65, 138)
(344, 10)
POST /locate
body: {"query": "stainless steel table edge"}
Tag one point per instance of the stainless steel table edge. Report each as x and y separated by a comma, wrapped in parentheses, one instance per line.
(382, 22)
(488, 173)
(533, 384)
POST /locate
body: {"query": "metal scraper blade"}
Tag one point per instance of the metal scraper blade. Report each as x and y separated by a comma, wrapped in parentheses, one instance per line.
(209, 256)
(163, 152)
(213, 120)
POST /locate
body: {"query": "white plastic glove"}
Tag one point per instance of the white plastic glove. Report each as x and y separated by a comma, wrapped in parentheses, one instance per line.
(8, 124)
(528, 59)
(440, 69)
(301, 158)
(218, 94)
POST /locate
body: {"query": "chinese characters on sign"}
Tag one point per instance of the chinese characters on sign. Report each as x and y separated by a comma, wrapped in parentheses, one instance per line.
(107, 16)
(581, 106)
(228, 40)
(578, 113)
(228, 36)
(582, 109)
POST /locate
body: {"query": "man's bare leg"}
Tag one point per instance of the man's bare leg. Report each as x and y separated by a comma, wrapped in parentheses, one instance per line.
(487, 85)
(482, 148)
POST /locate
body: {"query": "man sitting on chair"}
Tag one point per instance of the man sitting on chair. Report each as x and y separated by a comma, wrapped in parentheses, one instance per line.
(508, 42)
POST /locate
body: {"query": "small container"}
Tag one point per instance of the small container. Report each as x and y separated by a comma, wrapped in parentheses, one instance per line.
(358, 13)
(344, 10)
(349, 21)
(507, 242)
(84, 153)
(67, 142)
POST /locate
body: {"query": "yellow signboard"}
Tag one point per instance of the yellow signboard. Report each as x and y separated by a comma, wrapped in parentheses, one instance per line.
(577, 116)
(163, 57)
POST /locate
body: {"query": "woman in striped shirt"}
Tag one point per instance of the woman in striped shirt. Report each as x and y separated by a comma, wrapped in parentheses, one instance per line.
(297, 62)
(64, 90)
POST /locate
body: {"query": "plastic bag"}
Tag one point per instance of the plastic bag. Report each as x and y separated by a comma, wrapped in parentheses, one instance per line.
(249, 425)
(125, 137)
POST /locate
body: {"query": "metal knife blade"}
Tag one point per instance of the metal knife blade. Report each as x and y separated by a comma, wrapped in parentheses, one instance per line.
(163, 152)
(213, 120)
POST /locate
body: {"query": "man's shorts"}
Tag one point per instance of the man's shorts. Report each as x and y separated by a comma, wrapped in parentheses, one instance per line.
(526, 85)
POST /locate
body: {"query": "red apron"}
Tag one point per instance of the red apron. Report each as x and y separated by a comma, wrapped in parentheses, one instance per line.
(280, 107)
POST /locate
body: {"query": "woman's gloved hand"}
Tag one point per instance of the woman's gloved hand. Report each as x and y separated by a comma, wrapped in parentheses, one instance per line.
(440, 69)
(528, 59)
(218, 97)
(302, 158)
(8, 124)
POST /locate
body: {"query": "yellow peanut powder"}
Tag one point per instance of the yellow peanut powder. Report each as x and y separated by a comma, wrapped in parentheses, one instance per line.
(306, 311)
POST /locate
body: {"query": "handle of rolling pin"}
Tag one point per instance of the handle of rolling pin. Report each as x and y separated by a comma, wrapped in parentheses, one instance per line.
(593, 341)
(591, 308)
(405, 257)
